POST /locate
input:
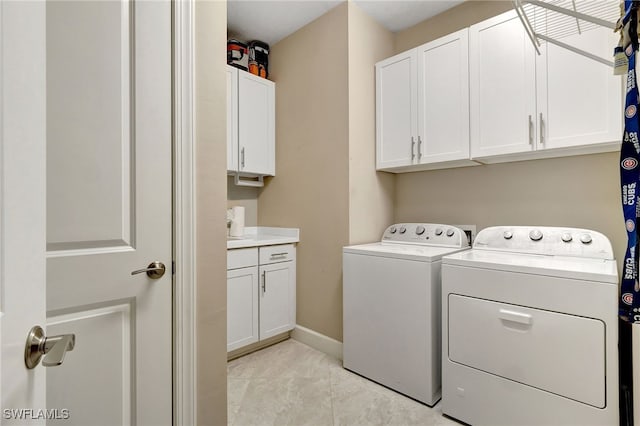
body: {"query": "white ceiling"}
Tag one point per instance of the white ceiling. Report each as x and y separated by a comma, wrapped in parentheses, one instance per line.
(273, 20)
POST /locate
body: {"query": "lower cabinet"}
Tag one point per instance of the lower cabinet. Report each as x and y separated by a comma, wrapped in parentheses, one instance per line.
(261, 293)
(242, 307)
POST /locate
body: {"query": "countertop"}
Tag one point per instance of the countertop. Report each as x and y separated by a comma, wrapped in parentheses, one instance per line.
(255, 236)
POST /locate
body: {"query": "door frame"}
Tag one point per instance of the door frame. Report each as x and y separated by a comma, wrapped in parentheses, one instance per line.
(184, 237)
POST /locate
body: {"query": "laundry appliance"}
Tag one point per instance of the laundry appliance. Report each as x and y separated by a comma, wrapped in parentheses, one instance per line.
(530, 329)
(392, 314)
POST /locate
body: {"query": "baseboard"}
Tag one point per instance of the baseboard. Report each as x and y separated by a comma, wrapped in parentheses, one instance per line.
(318, 341)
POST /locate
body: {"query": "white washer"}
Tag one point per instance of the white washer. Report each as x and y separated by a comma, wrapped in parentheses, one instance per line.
(392, 307)
(530, 329)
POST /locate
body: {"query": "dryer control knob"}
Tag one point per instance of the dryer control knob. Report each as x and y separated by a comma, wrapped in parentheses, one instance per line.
(535, 235)
(403, 229)
(586, 239)
(566, 237)
(450, 232)
(438, 231)
(420, 230)
(393, 229)
(507, 235)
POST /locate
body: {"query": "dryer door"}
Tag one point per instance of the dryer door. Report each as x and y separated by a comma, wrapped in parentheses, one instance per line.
(558, 353)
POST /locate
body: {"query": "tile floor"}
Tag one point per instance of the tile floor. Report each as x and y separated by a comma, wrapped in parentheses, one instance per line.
(293, 384)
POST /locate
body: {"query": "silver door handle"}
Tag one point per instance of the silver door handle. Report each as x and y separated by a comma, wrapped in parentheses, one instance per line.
(242, 157)
(530, 131)
(154, 271)
(264, 281)
(413, 144)
(542, 141)
(419, 148)
(276, 255)
(54, 347)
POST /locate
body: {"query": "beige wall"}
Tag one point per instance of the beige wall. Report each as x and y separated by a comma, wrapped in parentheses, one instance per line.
(371, 194)
(580, 191)
(211, 171)
(310, 190)
(464, 15)
(246, 197)
(572, 191)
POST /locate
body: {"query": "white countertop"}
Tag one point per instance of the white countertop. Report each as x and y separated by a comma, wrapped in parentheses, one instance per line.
(255, 236)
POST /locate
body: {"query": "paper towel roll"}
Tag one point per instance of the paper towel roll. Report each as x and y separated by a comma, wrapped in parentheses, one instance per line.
(237, 221)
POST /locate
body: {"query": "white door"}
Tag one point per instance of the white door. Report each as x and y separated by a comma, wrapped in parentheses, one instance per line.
(277, 298)
(443, 98)
(232, 119)
(502, 87)
(579, 99)
(22, 203)
(256, 124)
(242, 307)
(396, 111)
(109, 209)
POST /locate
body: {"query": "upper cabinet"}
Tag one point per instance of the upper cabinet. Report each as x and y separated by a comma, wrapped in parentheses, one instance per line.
(422, 106)
(503, 87)
(443, 99)
(250, 124)
(396, 111)
(579, 100)
(525, 105)
(483, 95)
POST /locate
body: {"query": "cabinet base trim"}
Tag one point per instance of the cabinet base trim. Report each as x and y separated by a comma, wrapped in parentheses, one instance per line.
(318, 341)
(246, 350)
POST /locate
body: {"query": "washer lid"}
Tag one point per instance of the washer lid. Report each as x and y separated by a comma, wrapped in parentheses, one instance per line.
(589, 269)
(421, 253)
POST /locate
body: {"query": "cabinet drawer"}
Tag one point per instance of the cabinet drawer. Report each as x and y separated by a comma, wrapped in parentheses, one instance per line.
(242, 258)
(280, 253)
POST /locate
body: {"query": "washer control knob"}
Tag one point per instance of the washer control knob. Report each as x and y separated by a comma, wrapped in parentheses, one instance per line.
(393, 229)
(535, 235)
(450, 232)
(438, 231)
(403, 229)
(420, 230)
(566, 237)
(586, 239)
(507, 235)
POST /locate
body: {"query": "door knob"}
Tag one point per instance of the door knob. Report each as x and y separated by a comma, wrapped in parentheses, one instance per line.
(154, 271)
(54, 347)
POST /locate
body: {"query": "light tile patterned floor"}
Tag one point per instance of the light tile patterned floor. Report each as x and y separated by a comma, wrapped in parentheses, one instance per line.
(293, 384)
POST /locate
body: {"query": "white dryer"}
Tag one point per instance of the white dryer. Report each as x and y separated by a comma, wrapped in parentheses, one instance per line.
(530, 329)
(392, 311)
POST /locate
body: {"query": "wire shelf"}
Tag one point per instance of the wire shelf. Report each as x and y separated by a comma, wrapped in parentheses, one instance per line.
(554, 20)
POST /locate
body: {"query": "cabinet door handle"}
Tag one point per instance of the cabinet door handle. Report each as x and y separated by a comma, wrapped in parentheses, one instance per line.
(413, 145)
(278, 255)
(242, 157)
(530, 131)
(264, 281)
(419, 148)
(542, 141)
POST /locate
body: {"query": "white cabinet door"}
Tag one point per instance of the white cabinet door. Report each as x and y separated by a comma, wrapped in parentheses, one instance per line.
(396, 111)
(502, 87)
(232, 119)
(443, 99)
(242, 307)
(256, 124)
(579, 99)
(277, 298)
